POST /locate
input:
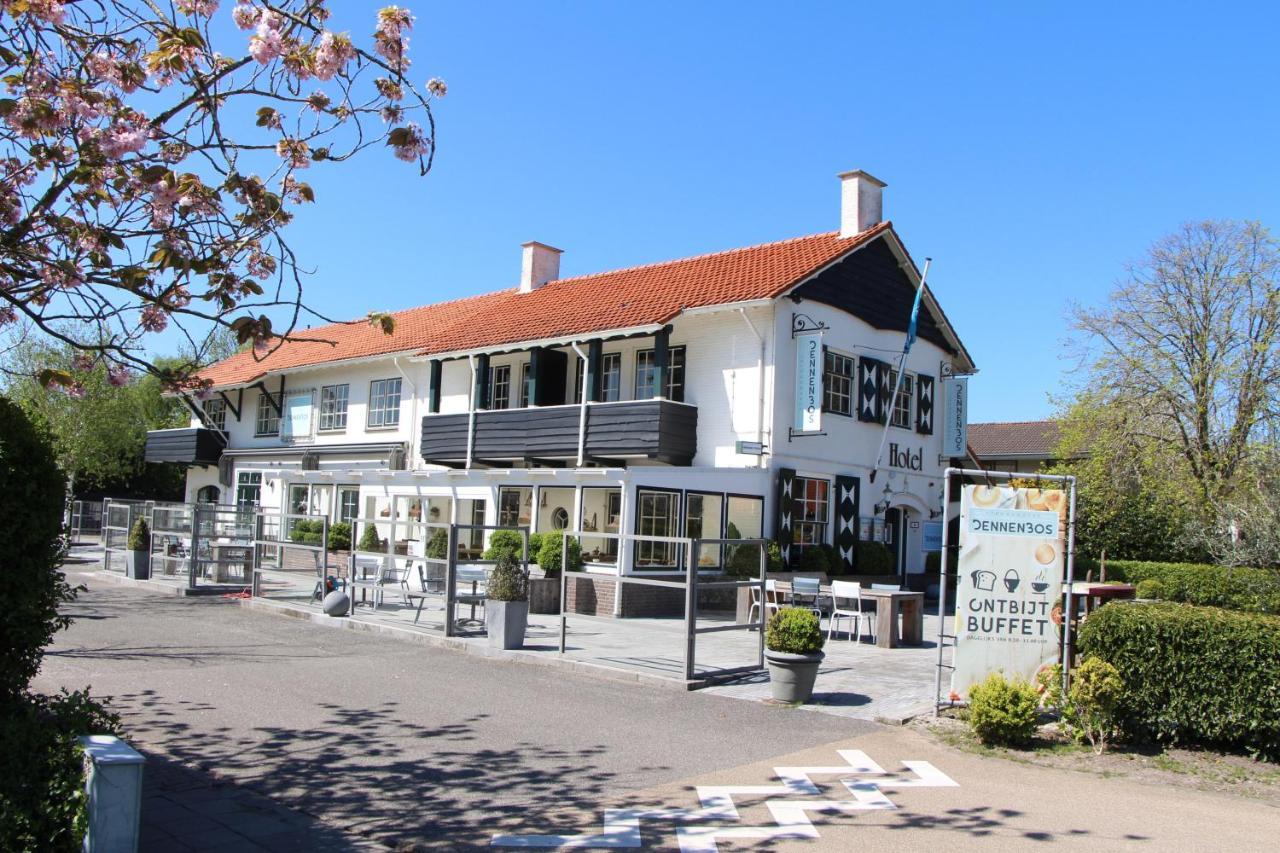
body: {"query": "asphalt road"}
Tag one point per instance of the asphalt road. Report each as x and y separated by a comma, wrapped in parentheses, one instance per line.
(375, 743)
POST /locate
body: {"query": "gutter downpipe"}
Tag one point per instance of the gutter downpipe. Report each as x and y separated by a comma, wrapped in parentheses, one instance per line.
(759, 384)
(582, 415)
(471, 409)
(413, 417)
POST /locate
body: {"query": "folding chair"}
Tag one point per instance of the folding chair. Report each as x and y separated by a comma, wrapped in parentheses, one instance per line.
(847, 591)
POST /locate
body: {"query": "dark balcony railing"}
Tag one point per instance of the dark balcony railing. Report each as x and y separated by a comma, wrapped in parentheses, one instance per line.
(189, 446)
(661, 430)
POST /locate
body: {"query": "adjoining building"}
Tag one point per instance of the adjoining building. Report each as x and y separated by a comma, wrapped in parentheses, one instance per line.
(658, 400)
(1017, 446)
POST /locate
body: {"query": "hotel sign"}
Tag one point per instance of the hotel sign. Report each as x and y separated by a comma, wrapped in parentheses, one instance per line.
(955, 416)
(808, 415)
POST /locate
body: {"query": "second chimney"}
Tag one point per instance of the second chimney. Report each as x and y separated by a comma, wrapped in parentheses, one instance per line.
(861, 202)
(540, 264)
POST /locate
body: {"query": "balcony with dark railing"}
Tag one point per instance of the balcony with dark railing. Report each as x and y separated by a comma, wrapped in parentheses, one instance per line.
(186, 445)
(658, 430)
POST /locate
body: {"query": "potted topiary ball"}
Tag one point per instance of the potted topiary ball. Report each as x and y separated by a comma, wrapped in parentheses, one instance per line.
(506, 604)
(793, 651)
(138, 557)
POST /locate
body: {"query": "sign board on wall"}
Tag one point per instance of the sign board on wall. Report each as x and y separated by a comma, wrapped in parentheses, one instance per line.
(808, 416)
(955, 416)
(1010, 578)
(295, 420)
(932, 536)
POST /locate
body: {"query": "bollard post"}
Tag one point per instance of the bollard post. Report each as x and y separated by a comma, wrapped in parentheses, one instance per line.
(113, 786)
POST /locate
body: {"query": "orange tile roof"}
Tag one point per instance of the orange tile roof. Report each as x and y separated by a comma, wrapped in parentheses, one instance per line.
(622, 299)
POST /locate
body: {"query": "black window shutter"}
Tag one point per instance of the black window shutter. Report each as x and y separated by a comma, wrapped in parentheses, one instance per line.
(847, 521)
(868, 389)
(785, 512)
(883, 406)
(924, 404)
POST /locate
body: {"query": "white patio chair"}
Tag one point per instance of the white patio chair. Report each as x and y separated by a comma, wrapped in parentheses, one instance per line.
(770, 603)
(849, 592)
(896, 587)
(471, 587)
(805, 592)
(369, 573)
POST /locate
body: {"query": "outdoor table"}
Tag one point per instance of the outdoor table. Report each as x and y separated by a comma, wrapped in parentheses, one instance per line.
(225, 555)
(890, 604)
(1092, 595)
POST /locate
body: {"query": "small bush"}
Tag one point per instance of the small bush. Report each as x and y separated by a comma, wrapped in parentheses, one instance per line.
(340, 536)
(508, 581)
(1094, 695)
(744, 561)
(1233, 587)
(814, 559)
(506, 542)
(794, 630)
(1003, 712)
(1150, 588)
(369, 540)
(1194, 676)
(438, 545)
(550, 554)
(306, 531)
(139, 536)
(874, 558)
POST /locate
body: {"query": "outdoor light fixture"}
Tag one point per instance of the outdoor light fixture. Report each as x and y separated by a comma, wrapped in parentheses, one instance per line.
(883, 505)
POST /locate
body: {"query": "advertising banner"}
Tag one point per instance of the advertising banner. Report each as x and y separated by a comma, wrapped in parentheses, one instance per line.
(295, 422)
(808, 382)
(931, 536)
(955, 416)
(1010, 579)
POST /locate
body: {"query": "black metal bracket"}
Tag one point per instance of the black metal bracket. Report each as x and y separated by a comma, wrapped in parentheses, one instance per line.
(234, 407)
(791, 433)
(272, 401)
(802, 323)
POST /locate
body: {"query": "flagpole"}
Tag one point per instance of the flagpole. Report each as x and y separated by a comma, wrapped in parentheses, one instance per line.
(902, 364)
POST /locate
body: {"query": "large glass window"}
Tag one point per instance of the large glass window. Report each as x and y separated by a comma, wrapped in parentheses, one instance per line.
(702, 513)
(601, 512)
(515, 506)
(248, 489)
(902, 404)
(500, 387)
(555, 508)
(656, 514)
(215, 412)
(297, 422)
(384, 403)
(837, 384)
(348, 502)
(811, 510)
(675, 374)
(610, 378)
(333, 407)
(268, 421)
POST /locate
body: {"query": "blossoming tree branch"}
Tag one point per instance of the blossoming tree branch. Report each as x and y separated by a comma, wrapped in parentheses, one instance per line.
(151, 157)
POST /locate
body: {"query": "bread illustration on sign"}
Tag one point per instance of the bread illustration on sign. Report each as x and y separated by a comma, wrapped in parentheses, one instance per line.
(982, 579)
(986, 496)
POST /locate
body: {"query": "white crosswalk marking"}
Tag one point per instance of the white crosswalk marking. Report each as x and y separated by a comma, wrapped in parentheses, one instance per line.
(862, 777)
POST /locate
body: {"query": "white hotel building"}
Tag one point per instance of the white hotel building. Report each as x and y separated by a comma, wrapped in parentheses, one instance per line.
(659, 399)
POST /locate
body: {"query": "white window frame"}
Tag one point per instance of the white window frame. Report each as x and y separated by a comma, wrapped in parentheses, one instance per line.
(215, 412)
(905, 393)
(810, 530)
(339, 492)
(381, 413)
(829, 386)
(525, 368)
(669, 551)
(246, 480)
(644, 385)
(500, 377)
(609, 393)
(267, 422)
(333, 408)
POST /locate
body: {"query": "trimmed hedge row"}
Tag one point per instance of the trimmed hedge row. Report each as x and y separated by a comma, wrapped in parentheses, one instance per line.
(1233, 587)
(1193, 675)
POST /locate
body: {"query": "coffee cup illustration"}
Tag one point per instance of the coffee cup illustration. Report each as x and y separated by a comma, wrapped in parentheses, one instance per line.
(1040, 584)
(1011, 580)
(984, 580)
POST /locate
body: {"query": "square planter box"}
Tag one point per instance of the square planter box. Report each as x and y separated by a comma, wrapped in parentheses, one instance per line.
(137, 565)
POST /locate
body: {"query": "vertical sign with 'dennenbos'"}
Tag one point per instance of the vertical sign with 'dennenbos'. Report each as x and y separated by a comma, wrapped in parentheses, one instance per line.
(808, 382)
(1010, 579)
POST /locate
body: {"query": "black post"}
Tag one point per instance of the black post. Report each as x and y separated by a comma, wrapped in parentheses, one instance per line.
(661, 362)
(595, 360)
(433, 392)
(482, 382)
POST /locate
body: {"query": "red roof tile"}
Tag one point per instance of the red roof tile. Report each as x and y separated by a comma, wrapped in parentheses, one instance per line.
(1018, 438)
(622, 299)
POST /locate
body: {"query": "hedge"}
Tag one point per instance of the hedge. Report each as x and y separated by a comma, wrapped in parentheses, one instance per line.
(1233, 587)
(1193, 675)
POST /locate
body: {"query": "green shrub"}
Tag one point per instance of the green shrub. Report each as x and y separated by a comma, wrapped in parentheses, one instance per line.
(814, 559)
(794, 630)
(139, 536)
(744, 561)
(31, 506)
(1003, 712)
(508, 581)
(874, 558)
(1151, 588)
(1233, 587)
(1192, 675)
(550, 554)
(438, 545)
(306, 531)
(507, 542)
(369, 540)
(536, 541)
(1092, 699)
(340, 536)
(42, 799)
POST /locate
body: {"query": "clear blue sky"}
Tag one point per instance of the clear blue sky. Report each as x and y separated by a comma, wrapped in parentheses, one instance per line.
(1030, 151)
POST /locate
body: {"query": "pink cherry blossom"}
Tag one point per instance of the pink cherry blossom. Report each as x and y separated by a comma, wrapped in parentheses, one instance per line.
(333, 54)
(295, 151)
(118, 375)
(437, 87)
(153, 319)
(245, 15)
(198, 7)
(8, 315)
(414, 146)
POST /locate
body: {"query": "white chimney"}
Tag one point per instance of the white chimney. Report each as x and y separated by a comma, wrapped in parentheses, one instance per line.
(540, 264)
(861, 202)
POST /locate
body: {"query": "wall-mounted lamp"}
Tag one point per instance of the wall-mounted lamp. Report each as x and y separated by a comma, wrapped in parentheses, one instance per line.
(883, 505)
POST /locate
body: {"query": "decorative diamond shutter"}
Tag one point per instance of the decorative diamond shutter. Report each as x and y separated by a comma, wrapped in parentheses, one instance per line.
(868, 388)
(224, 470)
(847, 521)
(786, 512)
(883, 406)
(924, 404)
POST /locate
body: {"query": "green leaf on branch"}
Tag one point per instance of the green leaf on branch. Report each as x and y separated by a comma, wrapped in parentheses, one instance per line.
(384, 321)
(50, 376)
